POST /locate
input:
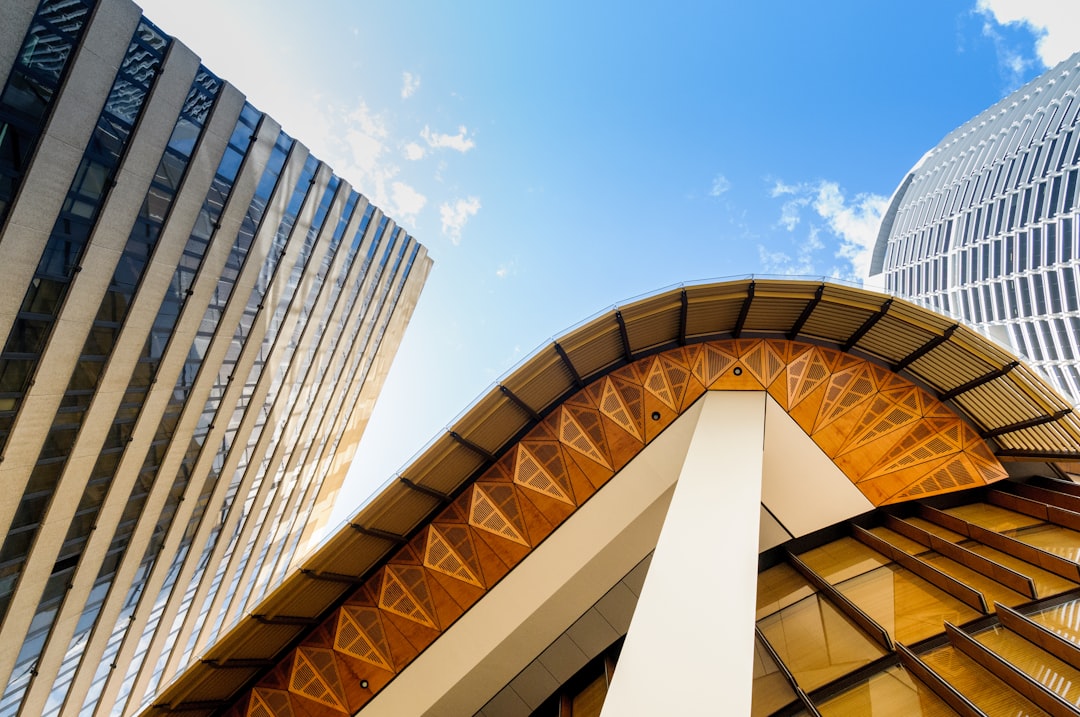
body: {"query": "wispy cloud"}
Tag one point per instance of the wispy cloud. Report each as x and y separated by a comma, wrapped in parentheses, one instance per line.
(1052, 22)
(720, 184)
(460, 141)
(455, 215)
(852, 222)
(410, 83)
(798, 263)
(406, 202)
(414, 151)
(506, 269)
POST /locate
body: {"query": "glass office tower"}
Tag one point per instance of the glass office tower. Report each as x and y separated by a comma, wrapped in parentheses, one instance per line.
(191, 306)
(985, 225)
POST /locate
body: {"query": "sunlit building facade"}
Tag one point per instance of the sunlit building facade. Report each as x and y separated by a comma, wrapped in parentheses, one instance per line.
(756, 497)
(192, 305)
(985, 226)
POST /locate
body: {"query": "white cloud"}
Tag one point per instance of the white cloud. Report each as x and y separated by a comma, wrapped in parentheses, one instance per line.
(856, 223)
(1053, 22)
(720, 185)
(791, 212)
(780, 189)
(460, 141)
(505, 270)
(455, 215)
(414, 151)
(406, 202)
(801, 264)
(410, 83)
(853, 222)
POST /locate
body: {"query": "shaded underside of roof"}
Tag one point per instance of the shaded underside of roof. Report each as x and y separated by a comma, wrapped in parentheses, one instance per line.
(1019, 416)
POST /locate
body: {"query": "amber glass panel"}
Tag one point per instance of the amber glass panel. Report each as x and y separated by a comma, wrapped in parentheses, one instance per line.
(842, 559)
(1043, 667)
(909, 546)
(935, 529)
(817, 642)
(1053, 539)
(1046, 582)
(907, 606)
(1064, 620)
(778, 587)
(893, 693)
(992, 517)
(590, 700)
(979, 685)
(992, 590)
(771, 690)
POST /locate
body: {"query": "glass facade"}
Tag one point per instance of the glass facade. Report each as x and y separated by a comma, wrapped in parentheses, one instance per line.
(169, 392)
(987, 226)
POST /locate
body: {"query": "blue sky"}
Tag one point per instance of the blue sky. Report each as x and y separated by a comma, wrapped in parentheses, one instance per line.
(558, 158)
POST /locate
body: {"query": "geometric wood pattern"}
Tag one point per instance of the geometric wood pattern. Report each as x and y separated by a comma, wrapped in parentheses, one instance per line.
(893, 440)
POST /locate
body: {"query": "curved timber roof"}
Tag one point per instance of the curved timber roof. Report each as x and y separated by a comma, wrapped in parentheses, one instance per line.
(1007, 404)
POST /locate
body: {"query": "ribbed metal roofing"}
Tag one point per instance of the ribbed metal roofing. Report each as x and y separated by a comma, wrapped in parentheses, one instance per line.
(1011, 406)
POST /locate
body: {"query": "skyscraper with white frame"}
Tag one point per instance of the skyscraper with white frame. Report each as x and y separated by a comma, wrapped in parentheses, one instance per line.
(985, 226)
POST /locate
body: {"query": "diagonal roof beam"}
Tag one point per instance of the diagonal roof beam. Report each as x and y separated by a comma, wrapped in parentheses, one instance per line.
(569, 364)
(376, 533)
(867, 325)
(806, 313)
(516, 400)
(741, 321)
(976, 382)
(627, 353)
(423, 489)
(472, 446)
(1030, 423)
(684, 308)
(295, 620)
(924, 349)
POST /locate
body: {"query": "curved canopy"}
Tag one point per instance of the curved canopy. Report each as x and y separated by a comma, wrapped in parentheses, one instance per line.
(1005, 404)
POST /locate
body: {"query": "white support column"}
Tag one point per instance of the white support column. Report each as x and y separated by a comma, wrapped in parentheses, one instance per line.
(690, 647)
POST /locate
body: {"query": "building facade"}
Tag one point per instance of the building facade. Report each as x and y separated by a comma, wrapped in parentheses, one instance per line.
(192, 305)
(985, 226)
(756, 497)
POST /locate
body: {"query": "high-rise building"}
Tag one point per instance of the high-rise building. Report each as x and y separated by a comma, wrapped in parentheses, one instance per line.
(755, 497)
(985, 225)
(192, 307)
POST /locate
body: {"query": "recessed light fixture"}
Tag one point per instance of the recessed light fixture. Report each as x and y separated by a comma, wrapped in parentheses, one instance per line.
(363, 684)
(656, 415)
(737, 370)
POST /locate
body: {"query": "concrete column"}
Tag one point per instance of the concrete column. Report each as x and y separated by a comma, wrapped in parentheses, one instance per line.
(690, 647)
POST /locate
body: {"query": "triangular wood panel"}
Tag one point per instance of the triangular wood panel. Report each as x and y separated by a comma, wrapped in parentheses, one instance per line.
(488, 512)
(267, 702)
(405, 593)
(315, 676)
(441, 555)
(360, 634)
(582, 438)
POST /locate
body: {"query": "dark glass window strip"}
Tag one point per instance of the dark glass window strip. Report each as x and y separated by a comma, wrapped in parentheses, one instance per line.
(300, 375)
(56, 268)
(286, 360)
(28, 97)
(325, 356)
(254, 307)
(397, 247)
(59, 263)
(314, 484)
(315, 348)
(141, 243)
(204, 230)
(226, 283)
